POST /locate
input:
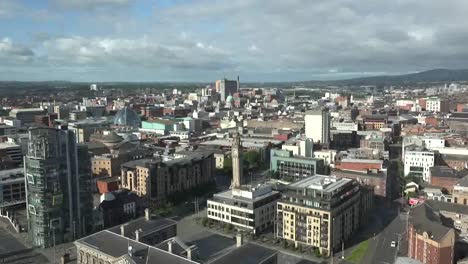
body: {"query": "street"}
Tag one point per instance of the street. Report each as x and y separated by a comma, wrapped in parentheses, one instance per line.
(380, 251)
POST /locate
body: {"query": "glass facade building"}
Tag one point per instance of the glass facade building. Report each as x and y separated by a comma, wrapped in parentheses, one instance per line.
(58, 175)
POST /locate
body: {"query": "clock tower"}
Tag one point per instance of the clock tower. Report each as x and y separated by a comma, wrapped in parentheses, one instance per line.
(237, 164)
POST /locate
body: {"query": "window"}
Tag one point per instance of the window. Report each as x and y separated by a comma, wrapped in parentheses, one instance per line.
(32, 209)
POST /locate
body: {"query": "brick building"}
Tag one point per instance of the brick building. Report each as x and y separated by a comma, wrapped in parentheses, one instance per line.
(429, 241)
(376, 180)
(359, 165)
(445, 177)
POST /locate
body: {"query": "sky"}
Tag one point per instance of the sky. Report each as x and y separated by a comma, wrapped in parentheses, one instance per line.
(205, 40)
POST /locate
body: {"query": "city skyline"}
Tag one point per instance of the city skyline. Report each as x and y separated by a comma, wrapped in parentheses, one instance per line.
(125, 40)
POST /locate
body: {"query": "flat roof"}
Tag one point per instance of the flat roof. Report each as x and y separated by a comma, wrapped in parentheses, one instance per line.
(248, 253)
(229, 195)
(4, 145)
(362, 161)
(321, 182)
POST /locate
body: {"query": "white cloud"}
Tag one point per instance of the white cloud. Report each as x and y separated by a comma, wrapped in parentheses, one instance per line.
(8, 8)
(91, 4)
(140, 52)
(299, 39)
(13, 53)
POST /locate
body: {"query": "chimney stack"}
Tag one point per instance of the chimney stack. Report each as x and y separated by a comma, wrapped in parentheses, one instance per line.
(137, 235)
(122, 230)
(169, 245)
(189, 252)
(147, 214)
(239, 240)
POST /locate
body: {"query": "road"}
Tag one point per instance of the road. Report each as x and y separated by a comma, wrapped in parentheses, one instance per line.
(380, 251)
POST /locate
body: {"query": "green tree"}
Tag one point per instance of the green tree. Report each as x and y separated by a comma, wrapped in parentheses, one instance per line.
(253, 158)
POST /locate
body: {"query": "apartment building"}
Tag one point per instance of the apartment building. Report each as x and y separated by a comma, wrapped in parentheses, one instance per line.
(320, 211)
(155, 179)
(437, 105)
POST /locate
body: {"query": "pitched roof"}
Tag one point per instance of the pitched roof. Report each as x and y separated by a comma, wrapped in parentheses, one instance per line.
(424, 219)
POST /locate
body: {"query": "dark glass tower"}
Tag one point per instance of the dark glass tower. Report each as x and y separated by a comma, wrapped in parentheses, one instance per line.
(58, 175)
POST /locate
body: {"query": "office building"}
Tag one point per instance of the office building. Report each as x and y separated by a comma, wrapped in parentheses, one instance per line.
(429, 241)
(292, 167)
(11, 155)
(26, 115)
(227, 87)
(12, 190)
(59, 201)
(317, 126)
(250, 208)
(320, 211)
(418, 162)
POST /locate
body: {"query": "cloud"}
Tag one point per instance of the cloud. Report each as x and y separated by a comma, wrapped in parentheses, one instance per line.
(91, 4)
(133, 53)
(267, 40)
(12, 53)
(8, 8)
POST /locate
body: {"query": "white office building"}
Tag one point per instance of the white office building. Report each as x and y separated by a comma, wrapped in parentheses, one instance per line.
(317, 126)
(418, 162)
(246, 208)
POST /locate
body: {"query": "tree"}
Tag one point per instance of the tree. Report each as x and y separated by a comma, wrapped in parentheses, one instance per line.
(253, 158)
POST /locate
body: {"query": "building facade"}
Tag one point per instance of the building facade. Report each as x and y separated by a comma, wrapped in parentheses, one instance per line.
(317, 126)
(58, 174)
(247, 208)
(294, 167)
(227, 87)
(418, 162)
(12, 187)
(320, 211)
(429, 241)
(156, 179)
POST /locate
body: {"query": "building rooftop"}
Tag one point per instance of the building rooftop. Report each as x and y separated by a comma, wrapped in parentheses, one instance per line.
(242, 194)
(424, 219)
(145, 226)
(117, 246)
(362, 161)
(447, 172)
(448, 207)
(5, 145)
(321, 182)
(463, 182)
(249, 254)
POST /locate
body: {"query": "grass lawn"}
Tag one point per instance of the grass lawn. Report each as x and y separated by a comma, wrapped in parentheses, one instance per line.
(359, 252)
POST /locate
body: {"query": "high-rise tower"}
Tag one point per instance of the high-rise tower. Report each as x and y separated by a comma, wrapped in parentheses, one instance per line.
(58, 175)
(237, 164)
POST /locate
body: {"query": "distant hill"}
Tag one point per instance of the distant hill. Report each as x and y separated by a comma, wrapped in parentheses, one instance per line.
(436, 75)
